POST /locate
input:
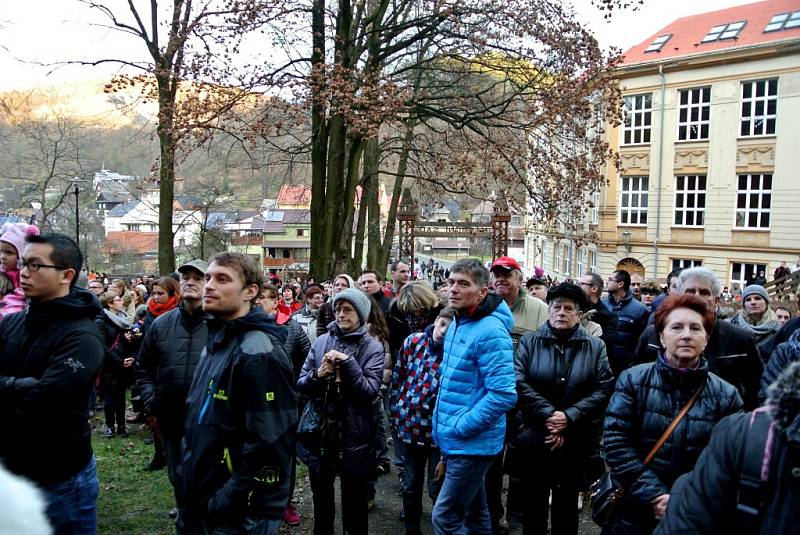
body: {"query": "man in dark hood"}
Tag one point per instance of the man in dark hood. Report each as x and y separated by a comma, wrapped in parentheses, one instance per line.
(242, 407)
(49, 357)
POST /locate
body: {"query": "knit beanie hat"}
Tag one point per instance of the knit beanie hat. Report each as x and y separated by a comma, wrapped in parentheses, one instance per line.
(755, 289)
(15, 233)
(358, 299)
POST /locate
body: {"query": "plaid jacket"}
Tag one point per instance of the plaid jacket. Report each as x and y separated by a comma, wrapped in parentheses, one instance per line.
(415, 385)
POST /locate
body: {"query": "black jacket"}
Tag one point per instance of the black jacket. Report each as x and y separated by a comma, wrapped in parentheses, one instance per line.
(49, 358)
(383, 301)
(399, 329)
(731, 352)
(167, 358)
(766, 347)
(782, 357)
(632, 316)
(240, 423)
(297, 345)
(325, 317)
(705, 501)
(607, 321)
(646, 399)
(572, 376)
(113, 375)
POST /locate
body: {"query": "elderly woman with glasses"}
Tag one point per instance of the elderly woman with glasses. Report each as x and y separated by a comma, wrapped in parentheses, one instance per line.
(563, 384)
(342, 379)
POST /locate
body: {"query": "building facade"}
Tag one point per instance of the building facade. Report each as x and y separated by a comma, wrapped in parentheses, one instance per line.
(710, 165)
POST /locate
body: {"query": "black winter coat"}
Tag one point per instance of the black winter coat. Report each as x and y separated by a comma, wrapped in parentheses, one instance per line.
(113, 375)
(607, 321)
(572, 376)
(646, 399)
(49, 359)
(705, 501)
(165, 366)
(399, 329)
(632, 318)
(297, 345)
(782, 357)
(240, 423)
(731, 352)
(361, 379)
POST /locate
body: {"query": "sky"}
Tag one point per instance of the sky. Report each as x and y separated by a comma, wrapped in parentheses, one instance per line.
(49, 31)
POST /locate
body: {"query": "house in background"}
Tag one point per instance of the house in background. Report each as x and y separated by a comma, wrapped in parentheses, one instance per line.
(708, 147)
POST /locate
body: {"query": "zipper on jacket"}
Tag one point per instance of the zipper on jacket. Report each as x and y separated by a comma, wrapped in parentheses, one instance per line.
(207, 401)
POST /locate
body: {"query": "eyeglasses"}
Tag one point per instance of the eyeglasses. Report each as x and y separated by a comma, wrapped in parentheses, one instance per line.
(585, 284)
(36, 266)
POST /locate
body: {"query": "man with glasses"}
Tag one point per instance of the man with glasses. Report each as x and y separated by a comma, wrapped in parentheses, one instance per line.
(592, 286)
(632, 317)
(49, 358)
(96, 287)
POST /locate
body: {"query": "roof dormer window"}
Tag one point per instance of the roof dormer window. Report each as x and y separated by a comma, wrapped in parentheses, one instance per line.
(783, 21)
(724, 31)
(658, 43)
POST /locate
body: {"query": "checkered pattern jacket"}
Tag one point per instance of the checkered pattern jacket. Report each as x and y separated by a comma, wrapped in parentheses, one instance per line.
(415, 385)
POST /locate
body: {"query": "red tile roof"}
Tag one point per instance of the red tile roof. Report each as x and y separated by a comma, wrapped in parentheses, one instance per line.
(688, 32)
(126, 240)
(294, 195)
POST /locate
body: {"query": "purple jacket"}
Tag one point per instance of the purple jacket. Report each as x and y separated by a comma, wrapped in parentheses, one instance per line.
(361, 377)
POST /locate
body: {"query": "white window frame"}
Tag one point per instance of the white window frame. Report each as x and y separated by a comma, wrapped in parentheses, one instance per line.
(783, 21)
(638, 119)
(556, 257)
(594, 217)
(743, 272)
(566, 259)
(593, 261)
(754, 119)
(698, 99)
(724, 31)
(745, 197)
(582, 254)
(685, 263)
(690, 201)
(636, 192)
(658, 43)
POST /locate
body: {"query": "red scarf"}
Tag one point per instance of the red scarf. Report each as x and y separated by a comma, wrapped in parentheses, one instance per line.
(156, 309)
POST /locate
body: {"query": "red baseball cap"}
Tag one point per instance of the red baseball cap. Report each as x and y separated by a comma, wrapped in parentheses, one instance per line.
(507, 263)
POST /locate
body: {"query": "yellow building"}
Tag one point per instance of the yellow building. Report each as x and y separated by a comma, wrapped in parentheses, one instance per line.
(710, 147)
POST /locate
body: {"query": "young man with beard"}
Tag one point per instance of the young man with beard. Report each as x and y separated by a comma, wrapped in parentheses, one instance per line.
(242, 410)
(167, 358)
(477, 389)
(49, 358)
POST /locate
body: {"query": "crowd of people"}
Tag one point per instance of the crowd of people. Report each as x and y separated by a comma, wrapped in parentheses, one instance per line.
(455, 382)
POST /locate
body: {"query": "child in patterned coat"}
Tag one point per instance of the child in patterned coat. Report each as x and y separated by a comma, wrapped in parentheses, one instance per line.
(415, 385)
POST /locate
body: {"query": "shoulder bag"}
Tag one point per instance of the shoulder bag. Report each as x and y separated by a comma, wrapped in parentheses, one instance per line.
(606, 493)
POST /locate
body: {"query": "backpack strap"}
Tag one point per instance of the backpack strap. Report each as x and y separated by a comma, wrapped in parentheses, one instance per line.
(754, 477)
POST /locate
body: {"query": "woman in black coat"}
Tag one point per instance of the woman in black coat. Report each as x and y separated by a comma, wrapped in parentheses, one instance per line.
(563, 385)
(647, 398)
(116, 372)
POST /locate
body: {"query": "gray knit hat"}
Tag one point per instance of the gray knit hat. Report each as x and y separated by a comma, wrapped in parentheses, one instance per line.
(358, 299)
(755, 289)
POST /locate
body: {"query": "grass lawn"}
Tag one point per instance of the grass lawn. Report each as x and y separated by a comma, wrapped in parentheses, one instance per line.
(131, 500)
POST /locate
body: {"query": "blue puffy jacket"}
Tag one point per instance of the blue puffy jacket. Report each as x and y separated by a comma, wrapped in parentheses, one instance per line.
(632, 316)
(477, 385)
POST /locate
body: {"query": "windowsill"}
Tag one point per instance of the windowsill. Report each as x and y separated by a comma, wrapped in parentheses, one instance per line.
(690, 141)
(760, 138)
(687, 227)
(641, 225)
(635, 145)
(744, 229)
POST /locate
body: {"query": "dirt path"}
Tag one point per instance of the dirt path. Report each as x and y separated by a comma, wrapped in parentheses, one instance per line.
(384, 519)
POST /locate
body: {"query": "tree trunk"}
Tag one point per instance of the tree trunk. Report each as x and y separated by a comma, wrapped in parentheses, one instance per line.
(382, 256)
(320, 266)
(166, 175)
(369, 201)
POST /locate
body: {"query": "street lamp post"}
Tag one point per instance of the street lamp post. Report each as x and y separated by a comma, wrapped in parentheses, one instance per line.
(76, 191)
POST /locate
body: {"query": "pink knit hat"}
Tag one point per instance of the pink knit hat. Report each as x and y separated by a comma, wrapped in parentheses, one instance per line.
(15, 233)
(539, 271)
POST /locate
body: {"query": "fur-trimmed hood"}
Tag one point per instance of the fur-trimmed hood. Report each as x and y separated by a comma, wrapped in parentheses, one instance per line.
(784, 399)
